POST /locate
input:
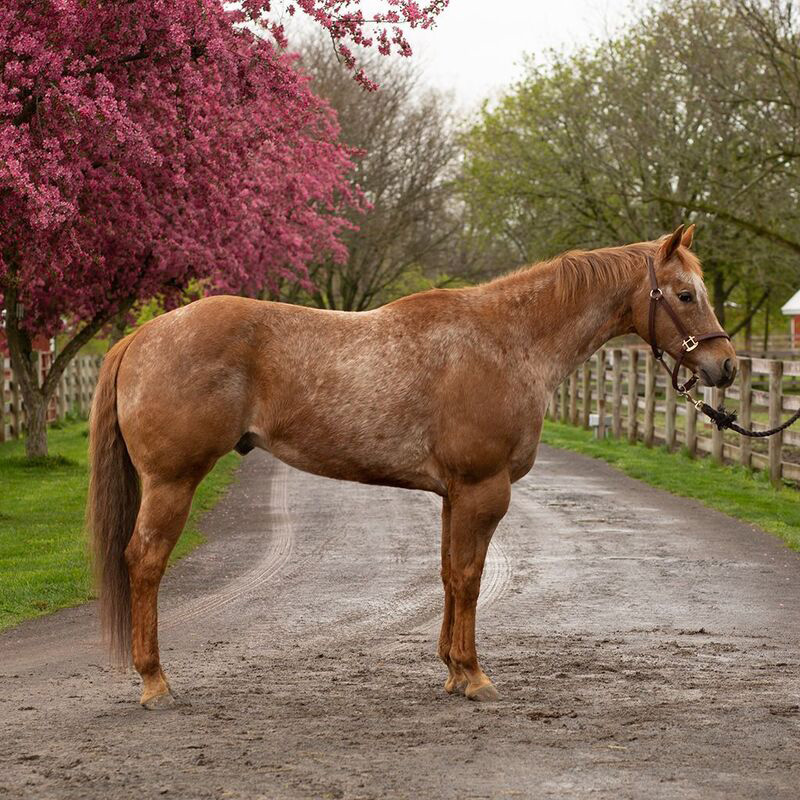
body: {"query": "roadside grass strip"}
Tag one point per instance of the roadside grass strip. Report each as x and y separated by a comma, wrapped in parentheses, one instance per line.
(734, 490)
(44, 561)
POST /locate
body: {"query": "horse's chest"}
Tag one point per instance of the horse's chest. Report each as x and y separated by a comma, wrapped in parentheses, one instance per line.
(522, 457)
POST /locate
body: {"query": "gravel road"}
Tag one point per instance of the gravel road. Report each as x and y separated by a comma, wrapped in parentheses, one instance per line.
(644, 647)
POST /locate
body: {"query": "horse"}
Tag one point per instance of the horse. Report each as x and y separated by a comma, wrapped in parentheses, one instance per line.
(443, 391)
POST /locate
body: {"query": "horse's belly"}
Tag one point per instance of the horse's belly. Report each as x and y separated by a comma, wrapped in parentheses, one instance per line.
(382, 462)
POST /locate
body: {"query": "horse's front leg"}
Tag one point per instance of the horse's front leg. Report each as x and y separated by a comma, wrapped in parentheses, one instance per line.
(456, 679)
(161, 518)
(476, 508)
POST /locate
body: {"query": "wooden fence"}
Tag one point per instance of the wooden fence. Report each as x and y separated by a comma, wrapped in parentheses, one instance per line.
(73, 396)
(633, 398)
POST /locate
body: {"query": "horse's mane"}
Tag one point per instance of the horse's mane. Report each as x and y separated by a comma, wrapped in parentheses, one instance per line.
(579, 271)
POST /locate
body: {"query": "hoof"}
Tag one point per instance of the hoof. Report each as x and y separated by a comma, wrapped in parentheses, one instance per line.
(159, 702)
(483, 694)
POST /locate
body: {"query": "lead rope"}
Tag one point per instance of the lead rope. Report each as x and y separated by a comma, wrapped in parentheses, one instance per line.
(727, 419)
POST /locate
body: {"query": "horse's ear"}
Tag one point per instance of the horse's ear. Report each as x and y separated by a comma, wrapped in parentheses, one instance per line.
(671, 244)
(688, 235)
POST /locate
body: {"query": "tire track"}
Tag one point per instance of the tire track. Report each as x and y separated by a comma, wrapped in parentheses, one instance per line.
(496, 579)
(414, 609)
(273, 561)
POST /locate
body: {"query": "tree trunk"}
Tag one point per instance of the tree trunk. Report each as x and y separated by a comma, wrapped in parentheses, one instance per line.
(36, 424)
(719, 296)
(118, 327)
(25, 366)
(750, 312)
(24, 362)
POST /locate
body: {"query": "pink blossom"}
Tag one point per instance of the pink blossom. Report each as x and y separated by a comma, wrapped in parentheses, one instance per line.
(150, 146)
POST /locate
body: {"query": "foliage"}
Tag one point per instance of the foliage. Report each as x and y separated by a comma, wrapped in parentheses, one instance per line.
(733, 490)
(406, 153)
(688, 115)
(146, 147)
(43, 562)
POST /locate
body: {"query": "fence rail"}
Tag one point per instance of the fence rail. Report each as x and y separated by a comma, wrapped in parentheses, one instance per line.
(73, 396)
(633, 398)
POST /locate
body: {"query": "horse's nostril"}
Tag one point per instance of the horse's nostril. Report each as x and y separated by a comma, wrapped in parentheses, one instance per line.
(727, 368)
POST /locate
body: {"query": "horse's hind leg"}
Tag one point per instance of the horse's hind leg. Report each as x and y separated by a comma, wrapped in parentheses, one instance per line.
(476, 510)
(456, 679)
(162, 515)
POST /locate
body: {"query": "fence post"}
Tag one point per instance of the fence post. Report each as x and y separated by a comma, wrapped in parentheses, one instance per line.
(586, 380)
(775, 409)
(633, 392)
(573, 398)
(671, 412)
(745, 409)
(616, 392)
(717, 436)
(649, 399)
(76, 387)
(691, 425)
(600, 359)
(2, 398)
(564, 401)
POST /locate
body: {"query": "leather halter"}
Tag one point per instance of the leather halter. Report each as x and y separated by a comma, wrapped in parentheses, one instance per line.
(688, 341)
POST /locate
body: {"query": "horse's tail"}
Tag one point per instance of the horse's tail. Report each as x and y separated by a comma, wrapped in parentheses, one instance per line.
(112, 506)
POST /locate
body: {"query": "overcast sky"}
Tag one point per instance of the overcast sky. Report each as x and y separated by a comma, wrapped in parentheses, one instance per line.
(477, 46)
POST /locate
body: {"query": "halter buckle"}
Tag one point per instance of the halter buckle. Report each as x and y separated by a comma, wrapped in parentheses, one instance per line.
(689, 344)
(656, 294)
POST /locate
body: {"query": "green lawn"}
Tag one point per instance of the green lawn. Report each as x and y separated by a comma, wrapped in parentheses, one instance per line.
(733, 490)
(43, 562)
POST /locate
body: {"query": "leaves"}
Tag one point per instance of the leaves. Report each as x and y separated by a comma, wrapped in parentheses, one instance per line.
(691, 114)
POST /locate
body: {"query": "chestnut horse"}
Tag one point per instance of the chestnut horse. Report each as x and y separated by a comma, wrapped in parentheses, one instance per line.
(443, 391)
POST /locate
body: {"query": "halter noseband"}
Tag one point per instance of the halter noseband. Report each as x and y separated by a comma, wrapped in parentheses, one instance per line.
(688, 341)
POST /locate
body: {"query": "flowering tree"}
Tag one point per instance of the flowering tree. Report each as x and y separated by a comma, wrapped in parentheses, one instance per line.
(148, 146)
(121, 159)
(348, 26)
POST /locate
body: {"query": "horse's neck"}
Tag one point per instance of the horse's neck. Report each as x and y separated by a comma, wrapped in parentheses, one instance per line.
(559, 337)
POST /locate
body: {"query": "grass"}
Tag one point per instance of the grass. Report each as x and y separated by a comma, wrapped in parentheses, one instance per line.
(43, 555)
(731, 489)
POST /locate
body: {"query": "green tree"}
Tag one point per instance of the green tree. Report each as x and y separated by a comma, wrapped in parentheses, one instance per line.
(667, 122)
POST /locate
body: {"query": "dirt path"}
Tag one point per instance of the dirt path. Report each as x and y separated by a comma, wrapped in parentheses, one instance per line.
(644, 647)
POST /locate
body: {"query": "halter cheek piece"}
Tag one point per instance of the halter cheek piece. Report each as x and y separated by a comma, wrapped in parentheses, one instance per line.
(688, 341)
(719, 416)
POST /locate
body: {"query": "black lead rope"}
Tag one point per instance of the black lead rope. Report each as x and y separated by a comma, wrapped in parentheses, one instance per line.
(727, 419)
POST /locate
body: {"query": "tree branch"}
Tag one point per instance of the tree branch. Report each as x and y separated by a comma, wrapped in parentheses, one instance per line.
(753, 227)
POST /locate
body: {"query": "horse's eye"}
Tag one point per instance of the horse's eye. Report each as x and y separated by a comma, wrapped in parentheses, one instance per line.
(685, 297)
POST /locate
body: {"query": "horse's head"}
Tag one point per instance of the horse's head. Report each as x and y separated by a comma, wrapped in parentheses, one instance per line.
(672, 313)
